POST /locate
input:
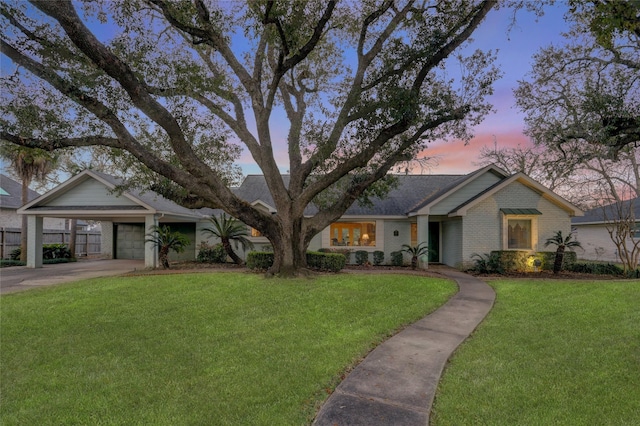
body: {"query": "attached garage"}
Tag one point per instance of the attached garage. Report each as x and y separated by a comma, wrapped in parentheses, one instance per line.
(129, 240)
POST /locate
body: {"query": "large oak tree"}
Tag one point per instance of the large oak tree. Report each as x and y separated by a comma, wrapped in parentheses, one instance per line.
(179, 85)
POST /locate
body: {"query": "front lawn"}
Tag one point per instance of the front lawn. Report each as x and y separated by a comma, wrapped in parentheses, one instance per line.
(221, 348)
(550, 352)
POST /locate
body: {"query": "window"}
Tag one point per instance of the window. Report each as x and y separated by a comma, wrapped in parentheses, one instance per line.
(519, 234)
(353, 234)
(255, 233)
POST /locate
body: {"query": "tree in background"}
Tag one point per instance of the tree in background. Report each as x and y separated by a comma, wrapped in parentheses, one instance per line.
(363, 86)
(229, 230)
(587, 91)
(28, 164)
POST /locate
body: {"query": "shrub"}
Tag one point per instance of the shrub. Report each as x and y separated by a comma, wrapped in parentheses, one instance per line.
(15, 254)
(397, 258)
(362, 257)
(548, 257)
(59, 260)
(378, 257)
(261, 260)
(49, 251)
(596, 268)
(487, 263)
(332, 262)
(211, 253)
(511, 260)
(5, 263)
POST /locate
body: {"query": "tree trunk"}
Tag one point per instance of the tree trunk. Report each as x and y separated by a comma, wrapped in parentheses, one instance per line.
(557, 264)
(232, 254)
(289, 250)
(73, 234)
(24, 228)
(164, 257)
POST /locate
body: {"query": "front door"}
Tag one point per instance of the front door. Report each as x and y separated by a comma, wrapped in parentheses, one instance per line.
(434, 242)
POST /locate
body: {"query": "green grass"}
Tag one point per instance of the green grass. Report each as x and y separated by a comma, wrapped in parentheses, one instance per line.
(222, 348)
(549, 353)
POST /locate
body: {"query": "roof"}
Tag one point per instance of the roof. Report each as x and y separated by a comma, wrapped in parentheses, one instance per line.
(143, 201)
(11, 193)
(610, 211)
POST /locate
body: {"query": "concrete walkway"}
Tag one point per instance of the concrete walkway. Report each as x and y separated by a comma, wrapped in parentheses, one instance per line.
(396, 382)
(20, 278)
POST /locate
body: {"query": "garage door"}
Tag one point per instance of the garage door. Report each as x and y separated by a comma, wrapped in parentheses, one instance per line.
(130, 241)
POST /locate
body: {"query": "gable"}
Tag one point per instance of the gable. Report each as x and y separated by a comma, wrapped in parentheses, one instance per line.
(89, 193)
(465, 193)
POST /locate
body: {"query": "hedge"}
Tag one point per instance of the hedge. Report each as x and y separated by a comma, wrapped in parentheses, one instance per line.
(397, 258)
(211, 253)
(378, 257)
(331, 262)
(362, 257)
(49, 251)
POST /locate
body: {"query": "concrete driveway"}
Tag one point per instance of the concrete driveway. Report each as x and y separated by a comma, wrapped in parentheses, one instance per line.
(20, 278)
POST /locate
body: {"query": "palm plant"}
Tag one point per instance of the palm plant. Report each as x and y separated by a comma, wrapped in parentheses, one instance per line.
(166, 240)
(229, 229)
(562, 243)
(28, 164)
(415, 252)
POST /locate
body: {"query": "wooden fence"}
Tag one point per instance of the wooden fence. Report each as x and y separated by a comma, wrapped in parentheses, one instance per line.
(87, 242)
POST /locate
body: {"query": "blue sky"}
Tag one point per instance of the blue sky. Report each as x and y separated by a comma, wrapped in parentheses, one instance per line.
(516, 47)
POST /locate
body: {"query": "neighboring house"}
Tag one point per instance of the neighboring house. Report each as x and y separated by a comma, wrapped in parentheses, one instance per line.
(591, 230)
(457, 215)
(11, 200)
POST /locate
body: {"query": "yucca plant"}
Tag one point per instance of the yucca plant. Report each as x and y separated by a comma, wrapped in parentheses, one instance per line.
(562, 243)
(229, 229)
(166, 240)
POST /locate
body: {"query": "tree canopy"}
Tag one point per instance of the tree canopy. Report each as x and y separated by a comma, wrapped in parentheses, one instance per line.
(587, 91)
(181, 87)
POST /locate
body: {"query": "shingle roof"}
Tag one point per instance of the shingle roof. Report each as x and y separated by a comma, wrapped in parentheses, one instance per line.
(610, 211)
(411, 191)
(13, 197)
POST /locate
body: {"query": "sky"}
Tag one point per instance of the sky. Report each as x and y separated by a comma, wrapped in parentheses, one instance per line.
(515, 58)
(504, 127)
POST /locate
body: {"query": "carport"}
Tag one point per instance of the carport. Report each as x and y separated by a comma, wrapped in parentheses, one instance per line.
(125, 216)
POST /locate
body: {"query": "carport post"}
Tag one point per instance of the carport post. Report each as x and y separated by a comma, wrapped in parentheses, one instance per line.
(34, 241)
(150, 249)
(423, 236)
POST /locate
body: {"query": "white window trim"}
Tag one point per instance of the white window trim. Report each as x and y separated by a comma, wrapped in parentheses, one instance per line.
(534, 231)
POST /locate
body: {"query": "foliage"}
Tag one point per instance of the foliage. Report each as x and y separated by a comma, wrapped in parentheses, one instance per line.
(5, 263)
(49, 251)
(415, 252)
(363, 85)
(362, 257)
(28, 164)
(596, 268)
(397, 258)
(260, 260)
(487, 263)
(584, 94)
(562, 244)
(166, 240)
(331, 262)
(378, 257)
(211, 253)
(228, 230)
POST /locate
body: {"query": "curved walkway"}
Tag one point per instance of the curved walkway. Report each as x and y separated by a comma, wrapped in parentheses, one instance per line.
(396, 382)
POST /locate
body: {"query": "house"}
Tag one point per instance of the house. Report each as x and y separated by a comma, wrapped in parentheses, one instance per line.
(10, 221)
(457, 215)
(592, 230)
